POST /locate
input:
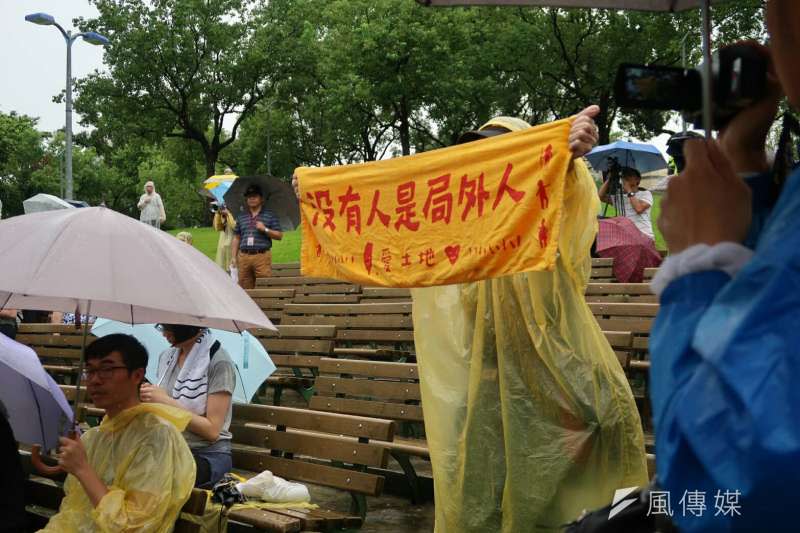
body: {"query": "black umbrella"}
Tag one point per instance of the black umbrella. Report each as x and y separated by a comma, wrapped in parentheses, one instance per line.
(278, 197)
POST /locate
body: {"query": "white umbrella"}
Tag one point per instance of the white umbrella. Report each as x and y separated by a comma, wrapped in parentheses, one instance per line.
(127, 271)
(45, 202)
(97, 261)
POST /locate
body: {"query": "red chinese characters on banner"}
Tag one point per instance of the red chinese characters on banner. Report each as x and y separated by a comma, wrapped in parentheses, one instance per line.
(368, 257)
(349, 204)
(506, 188)
(474, 193)
(383, 217)
(440, 199)
(386, 259)
(541, 193)
(327, 210)
(405, 207)
(473, 197)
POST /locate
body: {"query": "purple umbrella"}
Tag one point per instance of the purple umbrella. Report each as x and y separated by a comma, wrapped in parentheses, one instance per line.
(38, 410)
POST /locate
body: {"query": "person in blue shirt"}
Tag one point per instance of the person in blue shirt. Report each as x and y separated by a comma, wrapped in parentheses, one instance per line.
(725, 346)
(253, 234)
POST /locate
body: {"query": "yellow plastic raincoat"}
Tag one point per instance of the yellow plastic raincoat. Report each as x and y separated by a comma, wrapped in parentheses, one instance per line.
(143, 459)
(528, 414)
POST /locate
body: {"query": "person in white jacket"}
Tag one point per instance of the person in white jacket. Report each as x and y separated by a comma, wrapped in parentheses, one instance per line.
(151, 206)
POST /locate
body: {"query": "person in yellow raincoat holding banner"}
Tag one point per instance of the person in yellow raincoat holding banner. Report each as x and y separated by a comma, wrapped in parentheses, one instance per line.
(528, 414)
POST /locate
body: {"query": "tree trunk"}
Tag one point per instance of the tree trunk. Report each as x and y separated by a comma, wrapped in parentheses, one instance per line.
(405, 129)
(211, 162)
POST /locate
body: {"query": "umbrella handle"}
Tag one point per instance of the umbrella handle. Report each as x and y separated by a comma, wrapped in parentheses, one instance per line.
(41, 466)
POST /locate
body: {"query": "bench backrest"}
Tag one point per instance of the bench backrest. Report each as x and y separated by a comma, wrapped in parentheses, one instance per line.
(385, 325)
(602, 269)
(311, 446)
(369, 388)
(381, 295)
(297, 346)
(272, 301)
(620, 293)
(57, 345)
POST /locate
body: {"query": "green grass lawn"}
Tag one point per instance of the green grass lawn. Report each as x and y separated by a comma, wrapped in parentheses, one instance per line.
(286, 250)
(654, 212)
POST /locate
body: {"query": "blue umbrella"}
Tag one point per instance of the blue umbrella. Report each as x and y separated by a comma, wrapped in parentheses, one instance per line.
(219, 191)
(38, 411)
(253, 365)
(643, 157)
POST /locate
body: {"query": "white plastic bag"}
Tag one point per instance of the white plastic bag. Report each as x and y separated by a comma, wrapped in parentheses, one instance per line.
(235, 274)
(270, 488)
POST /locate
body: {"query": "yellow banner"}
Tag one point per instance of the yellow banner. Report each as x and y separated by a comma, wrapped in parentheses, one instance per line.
(464, 213)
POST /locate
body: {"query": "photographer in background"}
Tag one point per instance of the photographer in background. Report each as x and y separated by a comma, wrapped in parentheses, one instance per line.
(637, 201)
(224, 223)
(724, 347)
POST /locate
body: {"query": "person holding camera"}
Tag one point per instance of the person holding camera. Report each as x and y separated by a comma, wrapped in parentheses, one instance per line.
(724, 345)
(225, 224)
(637, 201)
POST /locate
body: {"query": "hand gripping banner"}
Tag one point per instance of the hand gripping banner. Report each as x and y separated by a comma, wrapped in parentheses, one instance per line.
(464, 213)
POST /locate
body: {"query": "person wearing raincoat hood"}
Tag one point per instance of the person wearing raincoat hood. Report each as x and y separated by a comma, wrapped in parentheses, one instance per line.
(151, 206)
(134, 471)
(724, 346)
(529, 416)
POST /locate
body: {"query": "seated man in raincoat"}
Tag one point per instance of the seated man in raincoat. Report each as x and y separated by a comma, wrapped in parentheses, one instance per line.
(134, 471)
(724, 347)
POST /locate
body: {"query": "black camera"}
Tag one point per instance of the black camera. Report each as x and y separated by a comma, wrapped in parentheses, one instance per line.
(214, 207)
(738, 80)
(675, 148)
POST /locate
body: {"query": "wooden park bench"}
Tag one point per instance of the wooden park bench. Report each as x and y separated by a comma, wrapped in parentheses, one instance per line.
(313, 290)
(43, 498)
(312, 447)
(602, 270)
(649, 273)
(381, 390)
(283, 270)
(384, 295)
(58, 347)
(272, 301)
(620, 293)
(375, 331)
(296, 351)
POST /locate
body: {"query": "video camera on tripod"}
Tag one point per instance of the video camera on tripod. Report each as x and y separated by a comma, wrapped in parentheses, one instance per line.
(615, 191)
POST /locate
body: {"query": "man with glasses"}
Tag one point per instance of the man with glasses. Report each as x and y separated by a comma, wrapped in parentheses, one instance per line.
(134, 471)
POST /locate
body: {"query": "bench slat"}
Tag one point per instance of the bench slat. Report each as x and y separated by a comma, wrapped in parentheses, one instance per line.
(373, 388)
(391, 411)
(368, 368)
(344, 309)
(355, 426)
(312, 445)
(352, 322)
(376, 335)
(304, 346)
(328, 476)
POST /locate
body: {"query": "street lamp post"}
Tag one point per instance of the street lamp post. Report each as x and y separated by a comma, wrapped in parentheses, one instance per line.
(43, 19)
